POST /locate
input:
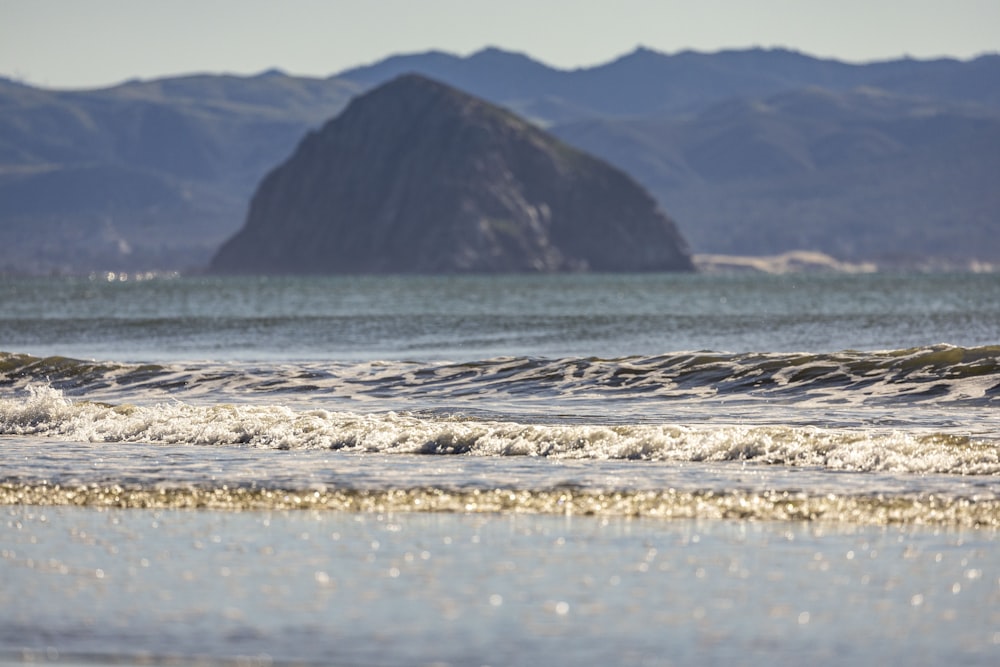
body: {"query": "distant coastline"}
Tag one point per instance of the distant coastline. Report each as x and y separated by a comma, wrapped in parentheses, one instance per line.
(809, 261)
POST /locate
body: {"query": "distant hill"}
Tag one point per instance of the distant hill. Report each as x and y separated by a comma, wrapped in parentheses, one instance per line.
(146, 175)
(863, 175)
(754, 151)
(646, 82)
(419, 177)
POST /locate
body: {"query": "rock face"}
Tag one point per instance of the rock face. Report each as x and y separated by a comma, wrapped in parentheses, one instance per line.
(418, 177)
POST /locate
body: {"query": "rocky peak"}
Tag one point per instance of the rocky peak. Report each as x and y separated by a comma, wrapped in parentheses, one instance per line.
(416, 176)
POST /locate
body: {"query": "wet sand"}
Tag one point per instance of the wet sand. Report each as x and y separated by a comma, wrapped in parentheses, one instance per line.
(89, 586)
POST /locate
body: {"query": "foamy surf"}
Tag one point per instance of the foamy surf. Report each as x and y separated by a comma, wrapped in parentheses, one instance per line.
(46, 412)
(775, 505)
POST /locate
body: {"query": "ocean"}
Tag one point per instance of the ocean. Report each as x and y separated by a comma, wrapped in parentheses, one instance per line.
(655, 469)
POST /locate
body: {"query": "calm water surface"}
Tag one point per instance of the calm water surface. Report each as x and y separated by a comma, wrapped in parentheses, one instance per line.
(480, 317)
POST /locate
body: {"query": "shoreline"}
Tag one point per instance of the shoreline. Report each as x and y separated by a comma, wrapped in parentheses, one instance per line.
(917, 509)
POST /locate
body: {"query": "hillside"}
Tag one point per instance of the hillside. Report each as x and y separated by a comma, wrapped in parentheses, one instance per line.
(145, 175)
(863, 175)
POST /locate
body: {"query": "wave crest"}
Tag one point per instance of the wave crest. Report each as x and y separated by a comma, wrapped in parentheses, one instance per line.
(47, 412)
(942, 374)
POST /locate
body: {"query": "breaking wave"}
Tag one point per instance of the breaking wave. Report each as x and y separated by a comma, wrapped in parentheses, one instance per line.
(45, 411)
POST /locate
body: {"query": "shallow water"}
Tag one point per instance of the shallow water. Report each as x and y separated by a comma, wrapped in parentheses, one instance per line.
(387, 589)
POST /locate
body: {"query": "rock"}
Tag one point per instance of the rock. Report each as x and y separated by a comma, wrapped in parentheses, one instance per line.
(418, 177)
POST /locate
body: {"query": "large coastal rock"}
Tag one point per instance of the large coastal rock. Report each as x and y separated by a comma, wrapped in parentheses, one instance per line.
(418, 177)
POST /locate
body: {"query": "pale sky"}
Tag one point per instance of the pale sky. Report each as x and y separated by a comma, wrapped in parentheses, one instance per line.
(89, 43)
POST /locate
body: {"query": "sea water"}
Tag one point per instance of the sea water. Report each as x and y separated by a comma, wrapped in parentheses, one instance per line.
(589, 469)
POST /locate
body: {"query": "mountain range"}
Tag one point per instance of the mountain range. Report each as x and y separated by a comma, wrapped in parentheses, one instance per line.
(751, 152)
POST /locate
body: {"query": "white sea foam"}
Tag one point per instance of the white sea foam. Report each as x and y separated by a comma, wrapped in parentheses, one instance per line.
(44, 411)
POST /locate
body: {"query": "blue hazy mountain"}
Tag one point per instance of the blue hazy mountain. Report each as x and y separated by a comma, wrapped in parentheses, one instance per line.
(752, 151)
(646, 82)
